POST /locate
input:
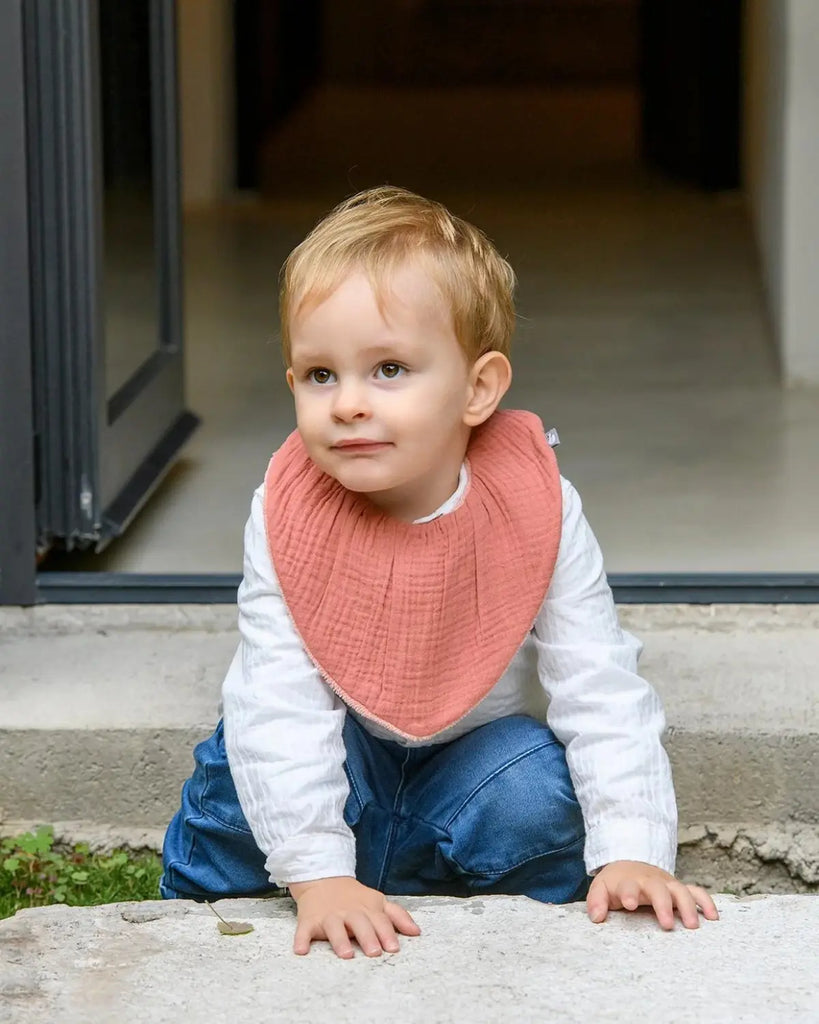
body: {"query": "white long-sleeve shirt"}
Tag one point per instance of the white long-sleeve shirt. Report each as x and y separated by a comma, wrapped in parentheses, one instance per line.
(577, 671)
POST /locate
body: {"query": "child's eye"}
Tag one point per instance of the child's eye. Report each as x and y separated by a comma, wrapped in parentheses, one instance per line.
(390, 370)
(321, 375)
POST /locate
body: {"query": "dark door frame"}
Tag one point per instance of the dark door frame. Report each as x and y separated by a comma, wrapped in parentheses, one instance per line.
(101, 454)
(17, 468)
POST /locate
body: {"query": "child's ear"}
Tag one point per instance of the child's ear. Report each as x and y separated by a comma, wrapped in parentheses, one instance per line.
(290, 377)
(489, 381)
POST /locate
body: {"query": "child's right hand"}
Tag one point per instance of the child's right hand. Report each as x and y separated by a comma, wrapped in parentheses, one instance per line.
(337, 909)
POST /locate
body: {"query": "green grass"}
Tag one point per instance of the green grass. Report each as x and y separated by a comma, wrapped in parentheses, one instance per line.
(35, 874)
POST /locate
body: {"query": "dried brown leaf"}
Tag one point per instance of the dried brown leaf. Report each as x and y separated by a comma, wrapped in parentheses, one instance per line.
(234, 927)
(230, 927)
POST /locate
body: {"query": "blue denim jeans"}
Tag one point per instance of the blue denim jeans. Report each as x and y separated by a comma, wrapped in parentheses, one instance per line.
(491, 812)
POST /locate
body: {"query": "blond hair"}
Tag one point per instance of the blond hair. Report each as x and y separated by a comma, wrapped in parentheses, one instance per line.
(377, 231)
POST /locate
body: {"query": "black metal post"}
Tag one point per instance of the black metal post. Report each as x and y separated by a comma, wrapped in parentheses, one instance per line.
(17, 470)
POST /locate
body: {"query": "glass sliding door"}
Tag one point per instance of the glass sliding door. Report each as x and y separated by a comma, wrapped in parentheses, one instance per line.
(106, 282)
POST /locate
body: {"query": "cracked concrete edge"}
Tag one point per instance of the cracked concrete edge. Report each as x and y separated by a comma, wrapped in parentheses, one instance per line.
(777, 857)
(262, 908)
(45, 620)
(751, 858)
(795, 844)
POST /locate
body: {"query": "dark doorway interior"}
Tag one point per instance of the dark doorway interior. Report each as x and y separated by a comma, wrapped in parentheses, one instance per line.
(278, 59)
(683, 60)
(691, 87)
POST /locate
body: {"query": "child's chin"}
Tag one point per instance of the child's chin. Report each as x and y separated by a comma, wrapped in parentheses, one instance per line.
(366, 488)
(359, 479)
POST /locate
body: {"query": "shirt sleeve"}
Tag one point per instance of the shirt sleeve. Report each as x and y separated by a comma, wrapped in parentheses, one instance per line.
(609, 719)
(283, 732)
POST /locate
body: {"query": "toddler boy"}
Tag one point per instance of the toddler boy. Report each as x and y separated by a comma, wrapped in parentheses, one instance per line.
(432, 693)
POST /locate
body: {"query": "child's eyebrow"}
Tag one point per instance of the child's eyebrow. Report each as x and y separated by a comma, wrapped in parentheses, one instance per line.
(382, 350)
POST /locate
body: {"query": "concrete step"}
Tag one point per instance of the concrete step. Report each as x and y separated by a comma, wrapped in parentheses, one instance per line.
(481, 960)
(100, 707)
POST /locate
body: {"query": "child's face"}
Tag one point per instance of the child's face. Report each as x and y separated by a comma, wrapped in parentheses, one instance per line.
(380, 399)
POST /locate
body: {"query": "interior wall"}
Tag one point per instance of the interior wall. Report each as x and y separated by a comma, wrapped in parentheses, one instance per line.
(801, 196)
(764, 139)
(781, 164)
(206, 97)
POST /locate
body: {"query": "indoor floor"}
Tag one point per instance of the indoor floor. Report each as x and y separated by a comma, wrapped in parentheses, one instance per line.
(641, 337)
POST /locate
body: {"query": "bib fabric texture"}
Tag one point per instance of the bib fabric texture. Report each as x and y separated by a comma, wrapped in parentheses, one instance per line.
(412, 624)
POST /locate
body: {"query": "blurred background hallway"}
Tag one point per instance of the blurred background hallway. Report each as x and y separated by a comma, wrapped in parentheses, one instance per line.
(642, 332)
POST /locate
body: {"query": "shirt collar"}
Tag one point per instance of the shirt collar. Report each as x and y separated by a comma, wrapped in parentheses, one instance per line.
(453, 501)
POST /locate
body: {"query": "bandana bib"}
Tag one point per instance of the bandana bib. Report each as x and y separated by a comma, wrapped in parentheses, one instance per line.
(412, 624)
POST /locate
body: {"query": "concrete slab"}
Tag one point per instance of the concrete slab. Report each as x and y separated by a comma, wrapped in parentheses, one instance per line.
(477, 960)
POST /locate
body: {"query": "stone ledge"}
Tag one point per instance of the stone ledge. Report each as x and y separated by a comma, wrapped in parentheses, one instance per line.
(481, 960)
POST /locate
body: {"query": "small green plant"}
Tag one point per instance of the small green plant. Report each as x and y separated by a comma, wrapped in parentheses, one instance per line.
(34, 874)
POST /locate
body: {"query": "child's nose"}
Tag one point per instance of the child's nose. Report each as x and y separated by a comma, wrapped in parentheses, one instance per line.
(350, 401)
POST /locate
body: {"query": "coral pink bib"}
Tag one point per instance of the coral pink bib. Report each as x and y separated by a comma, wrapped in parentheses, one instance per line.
(412, 624)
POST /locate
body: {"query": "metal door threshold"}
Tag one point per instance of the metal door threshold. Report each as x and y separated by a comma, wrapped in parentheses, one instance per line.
(628, 588)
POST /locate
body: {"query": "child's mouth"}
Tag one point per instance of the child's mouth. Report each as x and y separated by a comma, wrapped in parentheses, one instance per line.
(359, 445)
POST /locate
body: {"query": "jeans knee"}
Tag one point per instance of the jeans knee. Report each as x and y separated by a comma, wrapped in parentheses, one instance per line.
(526, 809)
(209, 848)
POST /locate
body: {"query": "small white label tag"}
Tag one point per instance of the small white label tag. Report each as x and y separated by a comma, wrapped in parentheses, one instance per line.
(552, 437)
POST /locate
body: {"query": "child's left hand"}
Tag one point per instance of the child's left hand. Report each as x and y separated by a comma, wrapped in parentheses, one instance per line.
(628, 884)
